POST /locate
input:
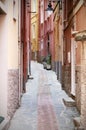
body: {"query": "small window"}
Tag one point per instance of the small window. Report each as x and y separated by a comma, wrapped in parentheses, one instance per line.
(41, 14)
(34, 6)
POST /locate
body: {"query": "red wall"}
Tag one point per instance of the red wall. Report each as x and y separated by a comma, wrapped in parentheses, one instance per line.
(25, 38)
(80, 26)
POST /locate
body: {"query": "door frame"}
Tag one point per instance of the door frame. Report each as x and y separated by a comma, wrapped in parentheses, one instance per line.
(73, 85)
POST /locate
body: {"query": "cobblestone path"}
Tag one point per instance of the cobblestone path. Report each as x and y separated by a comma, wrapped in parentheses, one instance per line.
(42, 107)
(46, 114)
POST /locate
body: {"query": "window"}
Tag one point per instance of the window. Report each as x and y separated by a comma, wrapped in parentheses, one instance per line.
(42, 11)
(41, 14)
(34, 6)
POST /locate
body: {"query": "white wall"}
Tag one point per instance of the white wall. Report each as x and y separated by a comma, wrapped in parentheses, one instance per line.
(3, 65)
(8, 51)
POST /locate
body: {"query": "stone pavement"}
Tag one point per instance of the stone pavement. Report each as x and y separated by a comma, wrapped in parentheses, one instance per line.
(42, 106)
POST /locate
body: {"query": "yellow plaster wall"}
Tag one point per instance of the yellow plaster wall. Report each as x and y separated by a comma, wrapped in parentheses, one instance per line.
(34, 21)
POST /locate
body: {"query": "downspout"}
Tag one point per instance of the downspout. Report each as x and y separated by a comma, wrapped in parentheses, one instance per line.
(29, 41)
(19, 49)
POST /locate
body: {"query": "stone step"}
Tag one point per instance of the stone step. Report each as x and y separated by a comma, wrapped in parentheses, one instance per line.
(76, 121)
(30, 77)
(79, 128)
(68, 102)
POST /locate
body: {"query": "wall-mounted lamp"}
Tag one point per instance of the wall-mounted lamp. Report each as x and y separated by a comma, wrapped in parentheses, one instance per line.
(50, 5)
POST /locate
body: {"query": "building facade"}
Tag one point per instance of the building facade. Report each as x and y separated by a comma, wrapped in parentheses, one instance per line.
(34, 29)
(14, 54)
(26, 39)
(46, 43)
(74, 53)
(9, 68)
(58, 40)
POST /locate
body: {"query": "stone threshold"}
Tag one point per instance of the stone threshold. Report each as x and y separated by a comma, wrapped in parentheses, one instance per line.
(69, 102)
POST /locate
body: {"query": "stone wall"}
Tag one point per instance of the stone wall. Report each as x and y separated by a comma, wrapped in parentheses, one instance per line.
(78, 87)
(83, 96)
(66, 78)
(13, 91)
(66, 83)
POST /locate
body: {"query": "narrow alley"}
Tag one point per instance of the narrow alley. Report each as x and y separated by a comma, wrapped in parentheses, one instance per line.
(42, 106)
(43, 64)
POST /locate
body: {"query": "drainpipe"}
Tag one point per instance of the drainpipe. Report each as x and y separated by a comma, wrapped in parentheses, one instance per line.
(19, 49)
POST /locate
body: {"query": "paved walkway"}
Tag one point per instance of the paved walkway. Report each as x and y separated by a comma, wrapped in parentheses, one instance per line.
(42, 107)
